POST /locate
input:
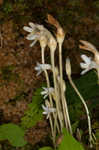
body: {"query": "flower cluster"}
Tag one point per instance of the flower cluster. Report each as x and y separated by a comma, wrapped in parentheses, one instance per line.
(59, 116)
(34, 32)
(39, 33)
(42, 67)
(88, 64)
(48, 110)
(47, 91)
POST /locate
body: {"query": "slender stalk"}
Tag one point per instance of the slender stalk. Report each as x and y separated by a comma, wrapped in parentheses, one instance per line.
(46, 75)
(67, 116)
(55, 86)
(60, 63)
(64, 103)
(61, 81)
(86, 108)
(51, 101)
(52, 130)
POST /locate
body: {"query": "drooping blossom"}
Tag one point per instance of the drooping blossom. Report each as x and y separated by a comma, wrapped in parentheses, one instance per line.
(90, 47)
(39, 33)
(47, 91)
(41, 67)
(48, 110)
(88, 64)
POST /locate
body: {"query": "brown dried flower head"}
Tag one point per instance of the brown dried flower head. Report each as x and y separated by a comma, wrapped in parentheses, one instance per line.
(60, 33)
(90, 47)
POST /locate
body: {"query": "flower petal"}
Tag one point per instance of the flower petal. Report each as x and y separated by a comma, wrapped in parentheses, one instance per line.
(32, 25)
(44, 113)
(43, 92)
(51, 89)
(47, 116)
(28, 29)
(37, 68)
(52, 109)
(84, 71)
(45, 96)
(40, 27)
(44, 108)
(86, 59)
(33, 43)
(39, 72)
(31, 36)
(46, 66)
(83, 65)
(88, 45)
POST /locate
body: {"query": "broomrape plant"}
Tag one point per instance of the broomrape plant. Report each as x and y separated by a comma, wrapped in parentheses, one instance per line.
(56, 109)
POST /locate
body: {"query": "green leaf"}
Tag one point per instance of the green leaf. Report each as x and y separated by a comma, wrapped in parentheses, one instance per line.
(46, 148)
(74, 126)
(86, 84)
(89, 89)
(34, 112)
(13, 133)
(69, 143)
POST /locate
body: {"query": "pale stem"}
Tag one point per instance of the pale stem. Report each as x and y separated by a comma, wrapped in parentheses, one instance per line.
(55, 86)
(86, 108)
(67, 115)
(64, 104)
(50, 97)
(61, 79)
(46, 75)
(52, 130)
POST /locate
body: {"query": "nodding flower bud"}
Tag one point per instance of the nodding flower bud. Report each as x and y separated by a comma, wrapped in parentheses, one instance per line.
(63, 83)
(52, 44)
(43, 41)
(60, 35)
(90, 47)
(68, 67)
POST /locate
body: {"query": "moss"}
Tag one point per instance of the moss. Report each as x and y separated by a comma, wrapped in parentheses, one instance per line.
(96, 4)
(8, 74)
(34, 112)
(7, 7)
(74, 3)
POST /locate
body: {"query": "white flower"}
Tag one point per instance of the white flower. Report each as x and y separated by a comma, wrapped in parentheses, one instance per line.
(40, 33)
(48, 110)
(47, 91)
(88, 64)
(34, 32)
(41, 67)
